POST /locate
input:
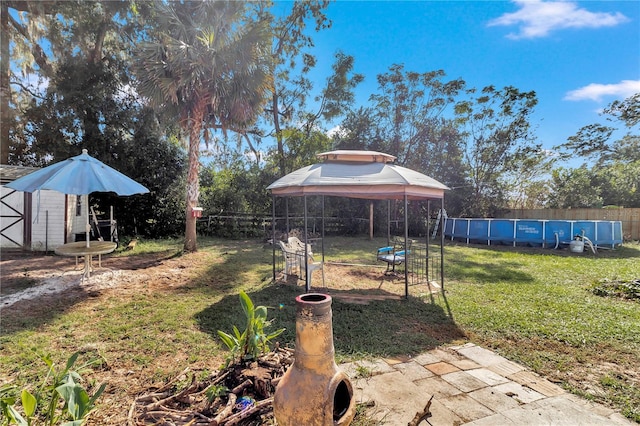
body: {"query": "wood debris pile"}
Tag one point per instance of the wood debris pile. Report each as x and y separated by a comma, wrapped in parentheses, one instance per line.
(241, 394)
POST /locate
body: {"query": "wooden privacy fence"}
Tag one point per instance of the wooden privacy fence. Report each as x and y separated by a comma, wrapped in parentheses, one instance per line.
(630, 218)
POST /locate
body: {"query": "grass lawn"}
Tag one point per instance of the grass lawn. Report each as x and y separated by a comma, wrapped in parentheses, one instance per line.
(538, 307)
(533, 306)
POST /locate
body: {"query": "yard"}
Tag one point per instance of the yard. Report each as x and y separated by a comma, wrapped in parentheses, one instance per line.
(157, 312)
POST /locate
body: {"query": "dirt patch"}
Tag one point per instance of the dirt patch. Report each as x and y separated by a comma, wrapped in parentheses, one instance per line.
(29, 279)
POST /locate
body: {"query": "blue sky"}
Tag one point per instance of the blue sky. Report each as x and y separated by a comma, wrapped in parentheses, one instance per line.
(577, 56)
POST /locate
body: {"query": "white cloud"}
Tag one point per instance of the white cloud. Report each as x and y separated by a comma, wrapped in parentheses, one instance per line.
(596, 92)
(538, 18)
(337, 130)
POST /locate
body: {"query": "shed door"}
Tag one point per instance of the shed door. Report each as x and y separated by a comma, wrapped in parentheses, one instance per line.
(13, 221)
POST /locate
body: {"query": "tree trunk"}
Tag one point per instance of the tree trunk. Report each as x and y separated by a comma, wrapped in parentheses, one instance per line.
(193, 184)
(4, 86)
(278, 134)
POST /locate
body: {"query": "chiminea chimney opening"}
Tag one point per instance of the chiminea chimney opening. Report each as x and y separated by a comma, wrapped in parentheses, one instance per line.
(313, 297)
(341, 400)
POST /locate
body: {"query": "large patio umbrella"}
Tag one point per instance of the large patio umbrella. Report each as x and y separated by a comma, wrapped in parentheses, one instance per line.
(79, 175)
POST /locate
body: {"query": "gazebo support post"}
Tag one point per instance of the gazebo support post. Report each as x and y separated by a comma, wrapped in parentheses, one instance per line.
(273, 235)
(286, 212)
(442, 243)
(388, 222)
(427, 242)
(406, 251)
(307, 283)
(322, 242)
(371, 220)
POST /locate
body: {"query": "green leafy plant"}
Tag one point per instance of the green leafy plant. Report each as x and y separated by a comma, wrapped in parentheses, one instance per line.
(59, 400)
(215, 391)
(253, 340)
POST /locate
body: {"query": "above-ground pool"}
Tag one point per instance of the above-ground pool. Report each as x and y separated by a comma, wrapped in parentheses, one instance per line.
(533, 232)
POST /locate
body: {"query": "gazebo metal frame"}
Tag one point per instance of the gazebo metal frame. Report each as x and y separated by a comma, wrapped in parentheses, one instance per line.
(365, 175)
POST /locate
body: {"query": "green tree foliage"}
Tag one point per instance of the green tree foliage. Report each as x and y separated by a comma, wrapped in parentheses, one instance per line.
(611, 185)
(599, 142)
(359, 130)
(19, 50)
(83, 108)
(292, 62)
(335, 98)
(407, 107)
(302, 147)
(621, 184)
(237, 188)
(614, 178)
(85, 102)
(527, 183)
(574, 188)
(406, 118)
(159, 163)
(82, 39)
(208, 64)
(497, 137)
(477, 152)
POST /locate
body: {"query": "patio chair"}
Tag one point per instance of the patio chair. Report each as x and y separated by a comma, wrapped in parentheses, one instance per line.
(290, 259)
(311, 265)
(295, 264)
(297, 245)
(393, 255)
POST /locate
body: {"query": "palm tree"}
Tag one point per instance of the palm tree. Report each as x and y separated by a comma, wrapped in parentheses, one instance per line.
(207, 64)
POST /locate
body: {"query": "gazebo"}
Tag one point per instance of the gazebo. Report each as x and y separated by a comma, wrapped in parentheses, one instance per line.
(358, 174)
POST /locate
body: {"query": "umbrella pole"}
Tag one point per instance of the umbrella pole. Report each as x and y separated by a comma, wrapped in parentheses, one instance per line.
(87, 228)
(87, 258)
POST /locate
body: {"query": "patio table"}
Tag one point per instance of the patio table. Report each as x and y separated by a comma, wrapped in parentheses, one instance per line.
(77, 249)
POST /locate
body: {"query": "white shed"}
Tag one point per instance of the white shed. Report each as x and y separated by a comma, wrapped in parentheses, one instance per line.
(39, 221)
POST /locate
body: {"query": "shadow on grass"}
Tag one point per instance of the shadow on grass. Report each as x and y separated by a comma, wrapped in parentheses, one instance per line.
(32, 312)
(379, 328)
(484, 272)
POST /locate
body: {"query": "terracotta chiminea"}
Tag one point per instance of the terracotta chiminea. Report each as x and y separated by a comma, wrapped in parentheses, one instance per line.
(313, 392)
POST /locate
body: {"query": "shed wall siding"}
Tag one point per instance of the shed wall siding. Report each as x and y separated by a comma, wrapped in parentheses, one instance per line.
(48, 228)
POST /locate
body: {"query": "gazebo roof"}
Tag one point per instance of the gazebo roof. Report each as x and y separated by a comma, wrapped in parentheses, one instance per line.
(358, 174)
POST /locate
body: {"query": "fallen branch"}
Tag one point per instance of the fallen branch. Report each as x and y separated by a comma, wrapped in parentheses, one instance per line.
(233, 420)
(130, 421)
(422, 415)
(226, 412)
(217, 380)
(238, 389)
(153, 396)
(198, 404)
(172, 381)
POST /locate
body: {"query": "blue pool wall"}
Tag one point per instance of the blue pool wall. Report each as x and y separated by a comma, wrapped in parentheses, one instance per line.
(533, 232)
